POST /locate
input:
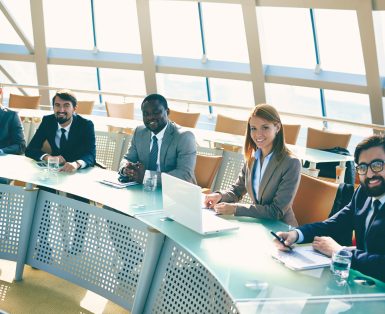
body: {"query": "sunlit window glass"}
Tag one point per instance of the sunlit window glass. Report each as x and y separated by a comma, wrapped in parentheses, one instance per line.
(224, 32)
(339, 41)
(116, 24)
(286, 37)
(68, 24)
(182, 86)
(379, 27)
(175, 29)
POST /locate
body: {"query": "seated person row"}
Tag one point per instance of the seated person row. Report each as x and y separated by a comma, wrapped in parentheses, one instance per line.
(270, 176)
(11, 134)
(365, 215)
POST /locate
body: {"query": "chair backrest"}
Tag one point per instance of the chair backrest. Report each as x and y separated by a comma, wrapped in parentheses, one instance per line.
(314, 199)
(325, 139)
(120, 110)
(291, 133)
(26, 102)
(187, 119)
(85, 106)
(109, 148)
(206, 169)
(230, 125)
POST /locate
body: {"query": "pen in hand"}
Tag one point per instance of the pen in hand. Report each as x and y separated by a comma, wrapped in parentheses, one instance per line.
(281, 240)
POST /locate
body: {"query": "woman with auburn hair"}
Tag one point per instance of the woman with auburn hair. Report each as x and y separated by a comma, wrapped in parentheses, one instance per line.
(270, 176)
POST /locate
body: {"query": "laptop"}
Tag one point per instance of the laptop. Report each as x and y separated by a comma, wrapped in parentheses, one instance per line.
(183, 202)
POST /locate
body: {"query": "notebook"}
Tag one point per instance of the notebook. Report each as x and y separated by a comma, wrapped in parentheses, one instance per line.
(302, 257)
(182, 202)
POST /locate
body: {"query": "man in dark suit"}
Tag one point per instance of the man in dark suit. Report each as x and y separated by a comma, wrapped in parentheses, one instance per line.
(365, 214)
(11, 133)
(159, 145)
(72, 139)
(70, 136)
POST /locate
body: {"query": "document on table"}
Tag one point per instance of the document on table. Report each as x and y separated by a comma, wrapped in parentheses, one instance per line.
(116, 183)
(302, 257)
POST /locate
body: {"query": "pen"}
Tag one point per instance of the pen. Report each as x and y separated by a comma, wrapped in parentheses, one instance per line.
(280, 240)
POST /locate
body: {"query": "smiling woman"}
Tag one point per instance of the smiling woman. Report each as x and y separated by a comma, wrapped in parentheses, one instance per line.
(270, 175)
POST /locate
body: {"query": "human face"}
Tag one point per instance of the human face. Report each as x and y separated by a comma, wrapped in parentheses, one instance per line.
(63, 111)
(373, 182)
(155, 117)
(263, 133)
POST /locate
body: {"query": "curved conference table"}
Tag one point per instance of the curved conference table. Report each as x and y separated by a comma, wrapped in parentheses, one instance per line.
(133, 256)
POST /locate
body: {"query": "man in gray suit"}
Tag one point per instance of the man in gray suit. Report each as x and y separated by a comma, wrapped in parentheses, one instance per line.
(159, 145)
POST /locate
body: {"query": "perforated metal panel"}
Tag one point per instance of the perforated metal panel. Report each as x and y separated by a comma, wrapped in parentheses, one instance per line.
(101, 250)
(209, 151)
(109, 148)
(183, 285)
(228, 173)
(16, 213)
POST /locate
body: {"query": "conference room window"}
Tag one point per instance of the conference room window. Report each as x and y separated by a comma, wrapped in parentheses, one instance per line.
(224, 32)
(175, 29)
(116, 26)
(182, 87)
(379, 27)
(21, 13)
(231, 92)
(286, 37)
(68, 24)
(20, 72)
(121, 81)
(74, 77)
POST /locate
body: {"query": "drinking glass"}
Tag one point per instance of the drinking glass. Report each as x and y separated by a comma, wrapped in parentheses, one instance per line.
(53, 164)
(340, 266)
(150, 180)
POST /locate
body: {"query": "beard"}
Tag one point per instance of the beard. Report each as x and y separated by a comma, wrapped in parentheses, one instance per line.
(62, 119)
(374, 191)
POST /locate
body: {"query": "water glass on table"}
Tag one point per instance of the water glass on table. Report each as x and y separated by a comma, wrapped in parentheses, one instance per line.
(340, 266)
(53, 164)
(150, 180)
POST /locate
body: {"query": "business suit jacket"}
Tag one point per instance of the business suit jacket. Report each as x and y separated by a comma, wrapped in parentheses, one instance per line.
(177, 152)
(11, 132)
(80, 142)
(369, 256)
(276, 190)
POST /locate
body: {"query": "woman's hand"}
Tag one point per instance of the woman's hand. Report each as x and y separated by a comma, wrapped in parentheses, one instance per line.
(225, 208)
(212, 199)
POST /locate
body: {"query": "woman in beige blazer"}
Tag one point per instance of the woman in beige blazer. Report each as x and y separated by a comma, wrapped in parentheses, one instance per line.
(270, 175)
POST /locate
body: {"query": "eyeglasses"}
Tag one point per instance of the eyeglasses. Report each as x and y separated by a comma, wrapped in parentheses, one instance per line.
(376, 166)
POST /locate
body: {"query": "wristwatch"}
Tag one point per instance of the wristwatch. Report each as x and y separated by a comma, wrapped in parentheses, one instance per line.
(79, 165)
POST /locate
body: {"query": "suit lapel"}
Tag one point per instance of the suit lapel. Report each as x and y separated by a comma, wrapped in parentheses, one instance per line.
(166, 141)
(51, 134)
(145, 138)
(249, 181)
(271, 167)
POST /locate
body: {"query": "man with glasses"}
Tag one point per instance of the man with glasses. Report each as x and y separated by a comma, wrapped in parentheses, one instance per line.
(365, 215)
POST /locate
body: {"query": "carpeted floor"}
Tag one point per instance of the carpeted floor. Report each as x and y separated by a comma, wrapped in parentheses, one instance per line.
(42, 293)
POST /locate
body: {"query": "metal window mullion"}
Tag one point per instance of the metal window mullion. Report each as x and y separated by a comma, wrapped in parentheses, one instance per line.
(95, 48)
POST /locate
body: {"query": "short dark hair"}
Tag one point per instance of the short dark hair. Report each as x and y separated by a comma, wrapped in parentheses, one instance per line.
(156, 97)
(66, 94)
(369, 142)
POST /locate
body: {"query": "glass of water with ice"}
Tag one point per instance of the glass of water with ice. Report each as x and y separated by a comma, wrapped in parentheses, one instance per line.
(53, 164)
(340, 265)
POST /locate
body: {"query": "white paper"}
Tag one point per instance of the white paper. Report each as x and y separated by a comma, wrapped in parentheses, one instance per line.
(302, 257)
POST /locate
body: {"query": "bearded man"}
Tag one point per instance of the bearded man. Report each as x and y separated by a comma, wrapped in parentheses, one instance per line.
(68, 135)
(365, 215)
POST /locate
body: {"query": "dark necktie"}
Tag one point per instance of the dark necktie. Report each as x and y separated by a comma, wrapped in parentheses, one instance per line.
(63, 140)
(153, 154)
(376, 208)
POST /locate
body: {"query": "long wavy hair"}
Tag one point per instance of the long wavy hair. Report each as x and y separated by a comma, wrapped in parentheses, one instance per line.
(270, 114)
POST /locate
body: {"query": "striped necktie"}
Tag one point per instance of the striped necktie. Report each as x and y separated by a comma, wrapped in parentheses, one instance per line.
(153, 154)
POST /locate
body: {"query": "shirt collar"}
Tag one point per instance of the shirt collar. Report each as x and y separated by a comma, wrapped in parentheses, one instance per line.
(258, 152)
(160, 135)
(67, 128)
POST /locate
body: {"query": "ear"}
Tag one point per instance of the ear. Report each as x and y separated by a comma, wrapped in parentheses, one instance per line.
(278, 126)
(168, 111)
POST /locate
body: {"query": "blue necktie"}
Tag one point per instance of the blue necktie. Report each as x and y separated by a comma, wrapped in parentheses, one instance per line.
(153, 154)
(63, 140)
(376, 208)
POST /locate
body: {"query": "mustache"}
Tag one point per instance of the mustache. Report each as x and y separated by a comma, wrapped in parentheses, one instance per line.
(373, 178)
